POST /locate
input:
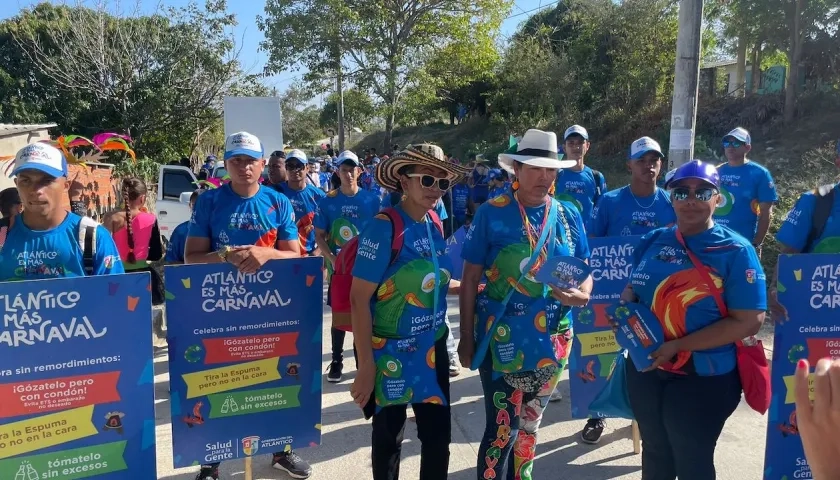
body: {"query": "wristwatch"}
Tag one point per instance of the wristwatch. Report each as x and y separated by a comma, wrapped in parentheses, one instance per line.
(223, 252)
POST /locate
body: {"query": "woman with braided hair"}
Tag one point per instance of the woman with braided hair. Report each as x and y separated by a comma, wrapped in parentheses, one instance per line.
(136, 234)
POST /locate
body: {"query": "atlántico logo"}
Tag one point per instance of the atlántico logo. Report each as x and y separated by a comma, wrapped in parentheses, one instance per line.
(250, 445)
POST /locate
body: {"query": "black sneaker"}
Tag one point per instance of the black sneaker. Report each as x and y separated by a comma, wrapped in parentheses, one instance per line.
(292, 464)
(334, 372)
(591, 433)
(208, 473)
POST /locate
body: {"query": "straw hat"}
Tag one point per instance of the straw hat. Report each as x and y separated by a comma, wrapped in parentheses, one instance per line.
(425, 154)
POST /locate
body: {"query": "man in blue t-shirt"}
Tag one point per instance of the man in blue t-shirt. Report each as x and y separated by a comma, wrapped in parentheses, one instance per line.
(579, 185)
(747, 190)
(245, 224)
(635, 209)
(460, 198)
(46, 241)
(339, 218)
(479, 183)
(178, 239)
(639, 207)
(304, 198)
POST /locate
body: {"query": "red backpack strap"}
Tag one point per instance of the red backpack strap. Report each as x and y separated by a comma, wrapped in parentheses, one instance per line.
(436, 220)
(706, 274)
(397, 232)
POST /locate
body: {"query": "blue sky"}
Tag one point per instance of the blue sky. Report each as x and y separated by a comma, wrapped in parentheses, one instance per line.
(252, 57)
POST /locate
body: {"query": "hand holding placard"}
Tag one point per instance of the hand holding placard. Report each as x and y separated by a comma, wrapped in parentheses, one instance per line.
(639, 332)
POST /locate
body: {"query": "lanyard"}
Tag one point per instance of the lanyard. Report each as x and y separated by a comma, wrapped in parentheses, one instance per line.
(438, 279)
(533, 234)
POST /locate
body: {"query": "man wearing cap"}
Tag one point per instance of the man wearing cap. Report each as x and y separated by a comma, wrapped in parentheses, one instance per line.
(304, 198)
(747, 190)
(499, 184)
(579, 185)
(245, 224)
(635, 209)
(46, 241)
(479, 183)
(340, 216)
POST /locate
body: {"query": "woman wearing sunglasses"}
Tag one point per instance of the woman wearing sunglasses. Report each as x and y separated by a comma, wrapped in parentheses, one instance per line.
(517, 332)
(683, 399)
(401, 278)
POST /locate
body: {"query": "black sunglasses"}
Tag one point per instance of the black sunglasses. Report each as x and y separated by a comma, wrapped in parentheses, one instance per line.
(293, 166)
(429, 181)
(703, 194)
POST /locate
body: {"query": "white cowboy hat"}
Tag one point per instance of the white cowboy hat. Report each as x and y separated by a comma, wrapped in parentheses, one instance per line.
(537, 148)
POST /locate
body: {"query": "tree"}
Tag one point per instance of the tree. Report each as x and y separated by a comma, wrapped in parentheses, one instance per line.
(158, 78)
(300, 120)
(358, 110)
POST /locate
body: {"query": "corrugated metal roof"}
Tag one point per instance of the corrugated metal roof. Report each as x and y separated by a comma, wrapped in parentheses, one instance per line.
(719, 63)
(11, 128)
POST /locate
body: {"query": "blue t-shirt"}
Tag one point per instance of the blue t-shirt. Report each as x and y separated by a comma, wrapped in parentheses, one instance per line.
(368, 182)
(304, 202)
(460, 195)
(29, 254)
(619, 213)
(579, 189)
(230, 220)
(497, 240)
(742, 189)
(177, 243)
(797, 224)
(480, 188)
(403, 303)
(343, 217)
(666, 282)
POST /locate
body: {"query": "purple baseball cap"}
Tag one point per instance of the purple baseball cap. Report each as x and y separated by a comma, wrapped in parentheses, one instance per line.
(696, 169)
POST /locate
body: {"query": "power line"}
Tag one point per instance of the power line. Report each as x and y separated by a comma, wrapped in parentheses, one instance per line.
(532, 10)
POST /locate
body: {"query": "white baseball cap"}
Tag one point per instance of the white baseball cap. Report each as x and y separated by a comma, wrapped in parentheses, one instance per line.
(348, 156)
(298, 154)
(42, 157)
(741, 134)
(243, 143)
(643, 145)
(576, 130)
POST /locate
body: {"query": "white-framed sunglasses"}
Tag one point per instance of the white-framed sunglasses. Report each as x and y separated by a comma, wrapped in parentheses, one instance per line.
(429, 181)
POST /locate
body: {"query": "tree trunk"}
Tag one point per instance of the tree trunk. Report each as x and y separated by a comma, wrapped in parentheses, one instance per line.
(794, 57)
(740, 68)
(389, 128)
(755, 68)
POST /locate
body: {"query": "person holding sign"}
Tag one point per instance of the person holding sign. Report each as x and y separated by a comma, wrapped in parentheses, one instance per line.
(398, 301)
(639, 207)
(704, 284)
(338, 219)
(517, 332)
(45, 240)
(245, 224)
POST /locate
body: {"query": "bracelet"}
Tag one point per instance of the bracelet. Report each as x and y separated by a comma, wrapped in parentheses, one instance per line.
(223, 252)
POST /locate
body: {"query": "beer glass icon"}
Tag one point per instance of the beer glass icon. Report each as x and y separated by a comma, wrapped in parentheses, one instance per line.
(797, 274)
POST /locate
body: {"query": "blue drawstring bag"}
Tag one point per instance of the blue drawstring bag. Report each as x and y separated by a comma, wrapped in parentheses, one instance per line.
(613, 401)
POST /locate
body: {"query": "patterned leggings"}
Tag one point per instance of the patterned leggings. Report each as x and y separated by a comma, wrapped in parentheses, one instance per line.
(513, 419)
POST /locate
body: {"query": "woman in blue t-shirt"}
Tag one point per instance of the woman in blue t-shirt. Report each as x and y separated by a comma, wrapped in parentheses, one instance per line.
(398, 304)
(510, 238)
(683, 400)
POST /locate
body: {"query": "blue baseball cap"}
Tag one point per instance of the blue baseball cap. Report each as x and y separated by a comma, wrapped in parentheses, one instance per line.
(494, 174)
(42, 157)
(243, 143)
(741, 134)
(297, 154)
(698, 170)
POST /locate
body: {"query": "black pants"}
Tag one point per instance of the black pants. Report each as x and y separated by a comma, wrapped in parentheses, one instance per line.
(680, 419)
(434, 430)
(338, 337)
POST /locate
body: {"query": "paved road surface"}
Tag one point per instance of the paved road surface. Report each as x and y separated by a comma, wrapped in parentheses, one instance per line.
(345, 449)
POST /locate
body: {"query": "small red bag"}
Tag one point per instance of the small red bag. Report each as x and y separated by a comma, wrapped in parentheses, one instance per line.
(753, 367)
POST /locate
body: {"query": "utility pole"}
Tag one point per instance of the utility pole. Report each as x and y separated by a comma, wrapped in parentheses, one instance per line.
(686, 78)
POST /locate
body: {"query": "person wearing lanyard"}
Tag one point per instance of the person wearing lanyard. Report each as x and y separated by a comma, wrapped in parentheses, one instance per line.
(517, 332)
(683, 399)
(635, 209)
(304, 198)
(398, 309)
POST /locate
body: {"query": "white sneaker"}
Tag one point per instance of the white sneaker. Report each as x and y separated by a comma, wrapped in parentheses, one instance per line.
(556, 396)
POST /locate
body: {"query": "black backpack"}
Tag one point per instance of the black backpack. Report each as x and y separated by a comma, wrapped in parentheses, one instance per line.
(822, 210)
(598, 176)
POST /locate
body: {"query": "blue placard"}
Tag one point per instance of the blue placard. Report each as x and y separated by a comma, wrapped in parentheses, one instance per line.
(809, 288)
(76, 379)
(639, 331)
(563, 272)
(594, 347)
(454, 244)
(244, 359)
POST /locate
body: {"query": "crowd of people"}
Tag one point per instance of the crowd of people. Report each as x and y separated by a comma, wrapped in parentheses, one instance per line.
(517, 332)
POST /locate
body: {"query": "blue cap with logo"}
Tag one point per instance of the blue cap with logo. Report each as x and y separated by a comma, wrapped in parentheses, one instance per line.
(42, 157)
(243, 143)
(741, 134)
(697, 170)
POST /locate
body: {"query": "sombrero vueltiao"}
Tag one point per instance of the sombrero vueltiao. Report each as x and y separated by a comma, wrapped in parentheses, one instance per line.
(425, 154)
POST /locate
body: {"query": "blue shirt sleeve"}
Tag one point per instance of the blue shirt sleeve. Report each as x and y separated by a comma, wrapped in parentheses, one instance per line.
(766, 187)
(440, 209)
(745, 287)
(200, 220)
(321, 220)
(374, 253)
(286, 227)
(600, 219)
(177, 243)
(476, 246)
(797, 223)
(106, 261)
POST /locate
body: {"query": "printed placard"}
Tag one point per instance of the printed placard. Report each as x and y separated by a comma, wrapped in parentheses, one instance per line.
(563, 272)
